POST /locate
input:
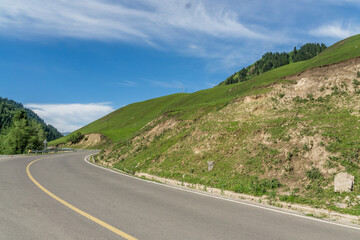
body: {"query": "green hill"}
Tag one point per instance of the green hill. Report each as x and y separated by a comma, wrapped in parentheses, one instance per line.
(124, 123)
(284, 134)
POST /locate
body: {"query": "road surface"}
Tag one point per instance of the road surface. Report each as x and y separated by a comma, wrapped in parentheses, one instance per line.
(114, 206)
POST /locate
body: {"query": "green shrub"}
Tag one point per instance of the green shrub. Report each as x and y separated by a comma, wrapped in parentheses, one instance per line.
(281, 95)
(306, 148)
(313, 173)
(310, 96)
(298, 99)
(358, 74)
(356, 82)
(75, 138)
(335, 90)
(260, 187)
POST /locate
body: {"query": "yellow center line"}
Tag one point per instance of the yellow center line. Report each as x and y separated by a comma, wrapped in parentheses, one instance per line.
(88, 216)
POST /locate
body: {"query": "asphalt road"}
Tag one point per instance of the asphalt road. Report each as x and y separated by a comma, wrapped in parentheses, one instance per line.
(141, 209)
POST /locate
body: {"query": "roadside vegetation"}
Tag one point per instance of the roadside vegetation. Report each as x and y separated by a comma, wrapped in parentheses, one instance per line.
(23, 134)
(124, 123)
(8, 109)
(75, 138)
(284, 133)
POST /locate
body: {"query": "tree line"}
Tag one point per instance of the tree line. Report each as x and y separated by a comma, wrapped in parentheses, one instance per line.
(272, 60)
(8, 108)
(21, 129)
(23, 134)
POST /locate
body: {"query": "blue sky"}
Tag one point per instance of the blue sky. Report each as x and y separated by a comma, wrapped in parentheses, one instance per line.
(75, 61)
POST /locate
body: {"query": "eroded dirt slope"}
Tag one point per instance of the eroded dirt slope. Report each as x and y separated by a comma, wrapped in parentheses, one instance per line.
(288, 142)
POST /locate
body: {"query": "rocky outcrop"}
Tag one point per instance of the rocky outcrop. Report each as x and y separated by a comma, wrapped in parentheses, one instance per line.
(343, 182)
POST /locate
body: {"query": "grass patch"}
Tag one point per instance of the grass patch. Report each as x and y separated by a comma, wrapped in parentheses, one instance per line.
(313, 173)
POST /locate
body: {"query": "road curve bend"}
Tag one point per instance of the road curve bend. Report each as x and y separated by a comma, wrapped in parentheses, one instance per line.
(61, 196)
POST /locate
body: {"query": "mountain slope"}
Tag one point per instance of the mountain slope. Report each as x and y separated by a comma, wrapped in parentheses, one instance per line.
(283, 134)
(287, 144)
(8, 108)
(123, 123)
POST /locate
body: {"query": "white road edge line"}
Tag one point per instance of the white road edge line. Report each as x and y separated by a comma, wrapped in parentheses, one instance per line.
(222, 198)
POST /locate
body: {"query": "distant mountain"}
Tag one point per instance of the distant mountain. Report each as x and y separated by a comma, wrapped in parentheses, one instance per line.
(65, 133)
(8, 108)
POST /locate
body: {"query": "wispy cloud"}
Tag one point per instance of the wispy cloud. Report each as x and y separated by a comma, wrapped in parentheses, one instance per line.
(141, 19)
(194, 27)
(336, 30)
(127, 83)
(225, 33)
(70, 117)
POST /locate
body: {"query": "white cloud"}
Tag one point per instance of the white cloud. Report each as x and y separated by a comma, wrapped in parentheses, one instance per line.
(224, 33)
(209, 29)
(200, 28)
(144, 20)
(336, 30)
(70, 117)
(127, 83)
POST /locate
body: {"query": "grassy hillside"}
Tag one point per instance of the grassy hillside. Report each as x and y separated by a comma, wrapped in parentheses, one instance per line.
(284, 134)
(287, 144)
(123, 123)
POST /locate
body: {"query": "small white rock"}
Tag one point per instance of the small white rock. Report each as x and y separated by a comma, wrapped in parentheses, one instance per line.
(343, 182)
(341, 205)
(347, 199)
(210, 165)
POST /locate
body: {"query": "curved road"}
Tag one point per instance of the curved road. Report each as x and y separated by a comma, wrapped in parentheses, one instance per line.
(132, 208)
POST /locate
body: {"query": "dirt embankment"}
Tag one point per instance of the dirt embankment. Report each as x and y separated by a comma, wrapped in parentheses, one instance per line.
(287, 134)
(319, 81)
(91, 140)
